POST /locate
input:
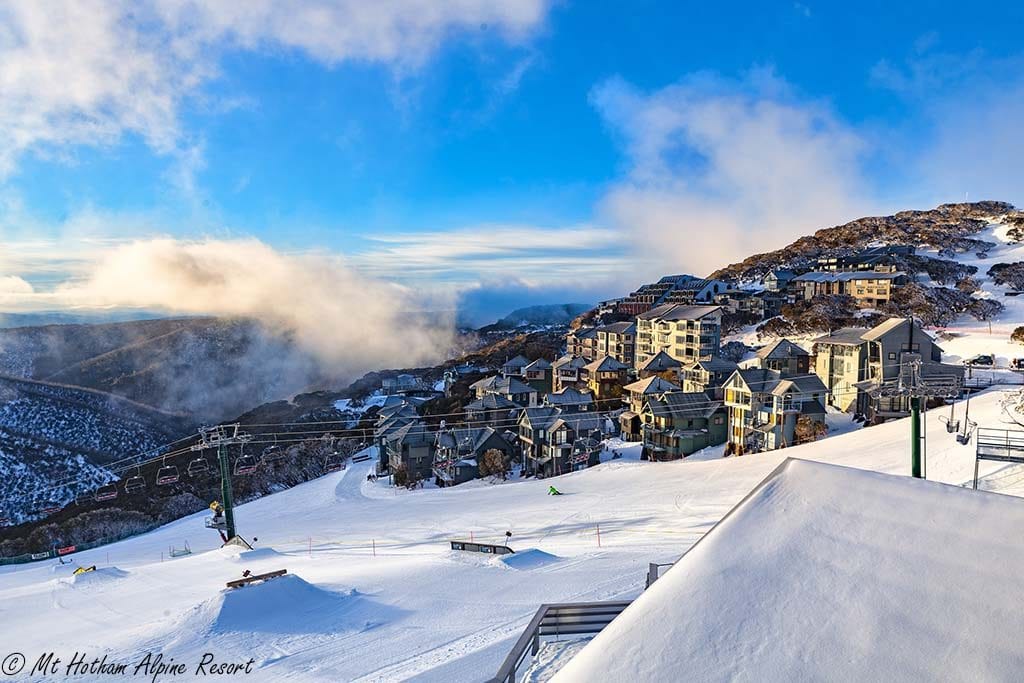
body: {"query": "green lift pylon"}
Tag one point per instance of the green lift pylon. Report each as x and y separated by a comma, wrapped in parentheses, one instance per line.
(227, 497)
(221, 437)
(915, 437)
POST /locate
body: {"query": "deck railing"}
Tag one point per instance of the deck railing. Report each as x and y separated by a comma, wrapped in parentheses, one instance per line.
(556, 620)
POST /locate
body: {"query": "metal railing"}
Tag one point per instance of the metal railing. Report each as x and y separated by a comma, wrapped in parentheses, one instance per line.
(1000, 444)
(556, 620)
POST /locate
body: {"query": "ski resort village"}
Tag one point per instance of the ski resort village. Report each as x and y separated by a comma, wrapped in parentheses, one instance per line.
(465, 341)
(765, 473)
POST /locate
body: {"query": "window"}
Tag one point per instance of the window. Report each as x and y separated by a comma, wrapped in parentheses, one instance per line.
(719, 419)
(892, 355)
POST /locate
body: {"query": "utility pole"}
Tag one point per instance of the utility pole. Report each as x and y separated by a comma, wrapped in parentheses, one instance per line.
(221, 437)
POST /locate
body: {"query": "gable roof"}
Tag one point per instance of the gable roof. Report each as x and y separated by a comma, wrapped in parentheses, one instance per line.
(578, 422)
(802, 577)
(885, 327)
(570, 360)
(805, 385)
(606, 364)
(503, 385)
(781, 350)
(540, 417)
(660, 362)
(492, 402)
(651, 385)
(539, 364)
(683, 405)
(758, 380)
(714, 364)
(584, 333)
(569, 396)
(518, 361)
(847, 336)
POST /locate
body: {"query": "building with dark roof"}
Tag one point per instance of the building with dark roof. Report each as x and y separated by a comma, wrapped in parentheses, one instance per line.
(769, 411)
(784, 356)
(853, 362)
(676, 424)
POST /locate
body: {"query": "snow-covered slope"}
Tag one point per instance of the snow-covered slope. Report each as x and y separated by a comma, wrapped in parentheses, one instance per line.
(378, 595)
(831, 573)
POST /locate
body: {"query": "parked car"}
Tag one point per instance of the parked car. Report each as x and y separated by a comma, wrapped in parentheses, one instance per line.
(1017, 364)
(982, 359)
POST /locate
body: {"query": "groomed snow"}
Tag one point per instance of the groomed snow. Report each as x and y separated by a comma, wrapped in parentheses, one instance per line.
(375, 576)
(832, 573)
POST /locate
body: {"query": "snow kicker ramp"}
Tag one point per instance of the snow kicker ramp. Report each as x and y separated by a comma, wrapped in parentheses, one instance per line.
(829, 573)
(285, 605)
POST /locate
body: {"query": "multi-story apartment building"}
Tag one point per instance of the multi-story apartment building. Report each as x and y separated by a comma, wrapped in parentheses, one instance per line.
(884, 258)
(707, 376)
(869, 289)
(538, 375)
(637, 394)
(671, 289)
(606, 377)
(511, 388)
(765, 408)
(582, 342)
(677, 424)
(686, 333)
(852, 362)
(617, 340)
(784, 356)
(568, 371)
(555, 442)
(513, 367)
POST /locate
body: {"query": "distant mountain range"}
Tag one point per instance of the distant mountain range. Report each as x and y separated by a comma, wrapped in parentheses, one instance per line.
(538, 316)
(204, 368)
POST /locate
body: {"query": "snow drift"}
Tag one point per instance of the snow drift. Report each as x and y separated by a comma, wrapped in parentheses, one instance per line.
(829, 573)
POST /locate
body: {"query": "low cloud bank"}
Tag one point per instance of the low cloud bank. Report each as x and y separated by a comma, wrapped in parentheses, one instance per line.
(349, 322)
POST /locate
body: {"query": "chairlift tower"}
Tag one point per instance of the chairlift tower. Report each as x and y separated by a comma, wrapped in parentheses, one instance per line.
(220, 437)
(910, 384)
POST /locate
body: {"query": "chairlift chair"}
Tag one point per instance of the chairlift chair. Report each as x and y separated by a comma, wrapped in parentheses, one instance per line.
(333, 463)
(272, 453)
(246, 464)
(134, 483)
(167, 474)
(198, 466)
(108, 492)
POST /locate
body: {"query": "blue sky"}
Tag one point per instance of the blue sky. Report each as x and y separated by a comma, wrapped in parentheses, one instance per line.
(537, 152)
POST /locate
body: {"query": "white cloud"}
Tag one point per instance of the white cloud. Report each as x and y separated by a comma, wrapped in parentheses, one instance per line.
(351, 322)
(967, 141)
(531, 255)
(88, 72)
(721, 169)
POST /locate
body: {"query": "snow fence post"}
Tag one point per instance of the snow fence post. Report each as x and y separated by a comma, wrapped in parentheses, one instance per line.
(374, 546)
(598, 535)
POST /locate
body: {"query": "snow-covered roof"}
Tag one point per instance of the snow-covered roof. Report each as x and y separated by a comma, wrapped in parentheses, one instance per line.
(830, 573)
